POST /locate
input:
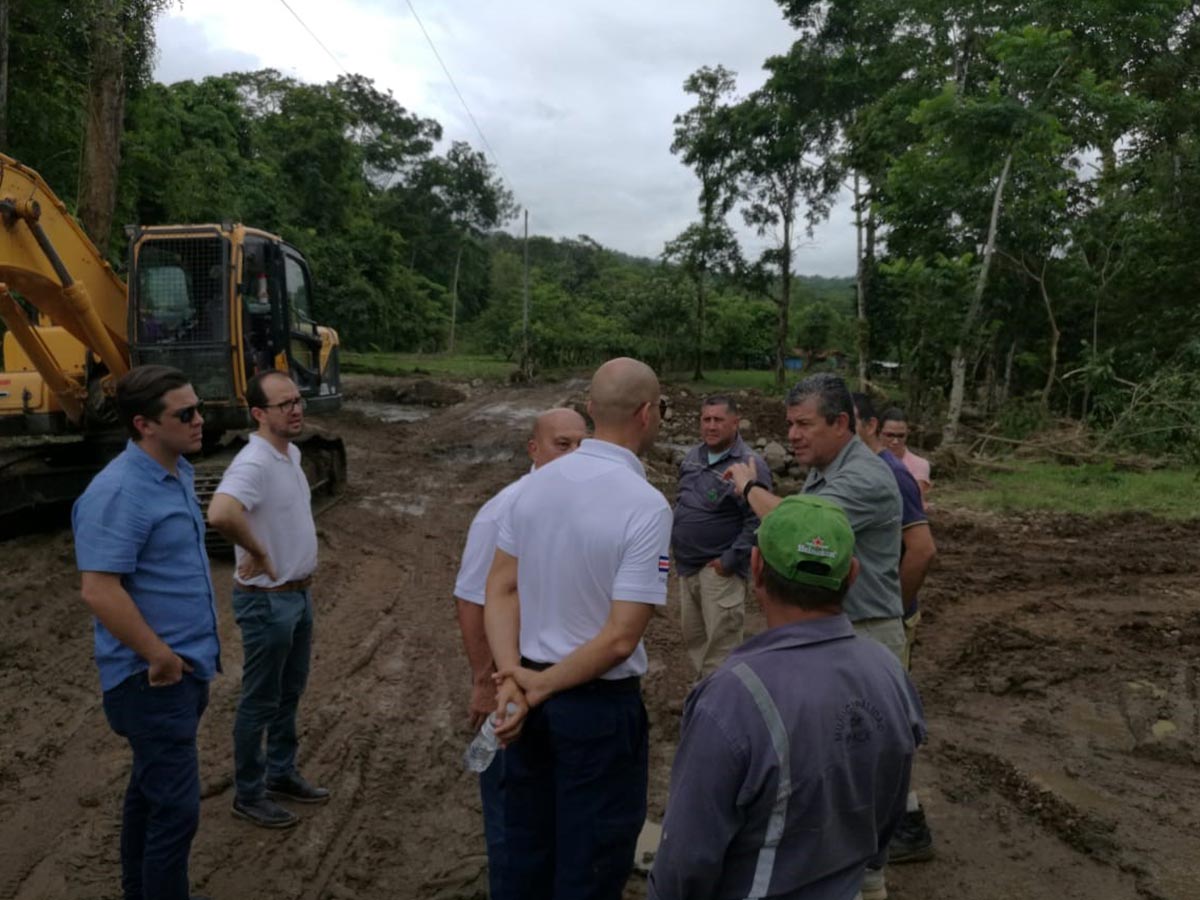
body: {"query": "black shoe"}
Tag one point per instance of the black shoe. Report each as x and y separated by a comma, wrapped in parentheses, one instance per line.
(294, 787)
(264, 813)
(912, 841)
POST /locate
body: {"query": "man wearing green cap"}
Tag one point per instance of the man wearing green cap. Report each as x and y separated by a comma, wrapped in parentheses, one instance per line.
(795, 755)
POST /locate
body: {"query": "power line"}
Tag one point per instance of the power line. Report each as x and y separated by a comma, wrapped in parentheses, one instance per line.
(313, 34)
(441, 62)
(461, 99)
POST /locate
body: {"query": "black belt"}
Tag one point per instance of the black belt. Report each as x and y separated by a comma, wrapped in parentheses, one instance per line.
(301, 584)
(629, 684)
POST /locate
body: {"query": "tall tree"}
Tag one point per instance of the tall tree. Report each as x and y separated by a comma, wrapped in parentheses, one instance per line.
(784, 160)
(475, 201)
(122, 41)
(704, 139)
(5, 6)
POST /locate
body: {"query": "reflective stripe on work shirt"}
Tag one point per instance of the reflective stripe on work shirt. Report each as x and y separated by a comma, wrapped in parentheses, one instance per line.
(765, 867)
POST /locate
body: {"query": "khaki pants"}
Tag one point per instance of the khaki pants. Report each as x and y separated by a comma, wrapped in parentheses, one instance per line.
(889, 632)
(712, 614)
(910, 637)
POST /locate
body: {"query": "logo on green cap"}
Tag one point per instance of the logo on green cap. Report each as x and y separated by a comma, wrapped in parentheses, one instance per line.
(807, 539)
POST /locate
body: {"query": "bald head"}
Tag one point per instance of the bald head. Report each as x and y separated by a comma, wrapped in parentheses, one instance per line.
(619, 389)
(556, 432)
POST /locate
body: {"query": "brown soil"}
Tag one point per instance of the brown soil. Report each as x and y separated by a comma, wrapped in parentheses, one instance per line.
(1059, 661)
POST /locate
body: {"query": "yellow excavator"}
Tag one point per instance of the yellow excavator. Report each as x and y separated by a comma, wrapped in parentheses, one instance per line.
(219, 301)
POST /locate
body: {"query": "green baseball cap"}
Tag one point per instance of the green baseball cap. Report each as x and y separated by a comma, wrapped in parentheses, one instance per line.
(809, 540)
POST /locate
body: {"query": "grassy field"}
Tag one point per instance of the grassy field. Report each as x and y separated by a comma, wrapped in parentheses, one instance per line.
(491, 368)
(1085, 490)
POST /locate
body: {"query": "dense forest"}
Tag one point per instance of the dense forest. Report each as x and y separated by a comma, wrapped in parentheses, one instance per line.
(1024, 175)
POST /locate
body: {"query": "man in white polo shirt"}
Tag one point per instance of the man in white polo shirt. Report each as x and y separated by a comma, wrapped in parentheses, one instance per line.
(262, 505)
(581, 562)
(556, 432)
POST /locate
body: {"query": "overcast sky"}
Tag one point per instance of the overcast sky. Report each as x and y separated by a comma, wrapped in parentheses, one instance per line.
(575, 97)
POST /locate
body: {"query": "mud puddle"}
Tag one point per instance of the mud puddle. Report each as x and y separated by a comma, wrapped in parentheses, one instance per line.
(389, 413)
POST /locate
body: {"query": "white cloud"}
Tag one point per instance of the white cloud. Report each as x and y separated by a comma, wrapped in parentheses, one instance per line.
(576, 99)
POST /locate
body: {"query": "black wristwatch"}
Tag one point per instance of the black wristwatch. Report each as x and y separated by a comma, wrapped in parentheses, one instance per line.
(752, 484)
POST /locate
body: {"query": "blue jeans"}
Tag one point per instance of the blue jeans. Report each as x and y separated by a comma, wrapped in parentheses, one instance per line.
(574, 796)
(162, 802)
(276, 639)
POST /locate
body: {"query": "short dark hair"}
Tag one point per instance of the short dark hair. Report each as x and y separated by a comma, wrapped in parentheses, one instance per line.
(256, 397)
(721, 400)
(833, 396)
(893, 414)
(140, 393)
(864, 406)
(804, 596)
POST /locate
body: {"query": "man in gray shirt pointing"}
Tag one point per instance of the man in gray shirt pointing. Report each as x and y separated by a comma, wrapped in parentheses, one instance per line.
(821, 431)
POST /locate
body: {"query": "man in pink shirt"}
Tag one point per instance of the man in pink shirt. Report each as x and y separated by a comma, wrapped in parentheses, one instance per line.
(893, 428)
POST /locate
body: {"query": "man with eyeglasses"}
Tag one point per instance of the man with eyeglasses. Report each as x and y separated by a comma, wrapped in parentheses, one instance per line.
(139, 544)
(262, 506)
(893, 428)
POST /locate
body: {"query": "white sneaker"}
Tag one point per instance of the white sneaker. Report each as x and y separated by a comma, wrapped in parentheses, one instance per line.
(874, 887)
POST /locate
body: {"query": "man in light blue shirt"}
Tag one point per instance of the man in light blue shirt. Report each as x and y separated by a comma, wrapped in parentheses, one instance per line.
(139, 544)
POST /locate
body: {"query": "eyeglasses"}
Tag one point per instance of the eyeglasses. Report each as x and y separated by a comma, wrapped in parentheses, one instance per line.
(187, 413)
(288, 405)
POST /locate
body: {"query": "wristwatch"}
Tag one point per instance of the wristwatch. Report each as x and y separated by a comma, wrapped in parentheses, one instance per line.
(752, 484)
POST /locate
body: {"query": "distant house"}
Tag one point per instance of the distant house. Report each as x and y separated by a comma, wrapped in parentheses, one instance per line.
(886, 367)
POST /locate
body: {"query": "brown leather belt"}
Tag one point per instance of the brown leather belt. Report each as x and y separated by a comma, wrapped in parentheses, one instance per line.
(287, 587)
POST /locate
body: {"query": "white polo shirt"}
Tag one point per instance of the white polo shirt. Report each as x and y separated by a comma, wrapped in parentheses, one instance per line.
(272, 487)
(480, 548)
(586, 530)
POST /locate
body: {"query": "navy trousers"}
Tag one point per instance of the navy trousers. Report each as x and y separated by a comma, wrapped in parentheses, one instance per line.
(277, 630)
(491, 785)
(573, 793)
(162, 802)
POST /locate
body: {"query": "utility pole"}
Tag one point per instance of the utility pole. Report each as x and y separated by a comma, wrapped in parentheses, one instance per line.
(526, 362)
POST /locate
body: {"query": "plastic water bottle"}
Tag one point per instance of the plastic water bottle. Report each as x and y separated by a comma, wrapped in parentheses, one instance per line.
(482, 750)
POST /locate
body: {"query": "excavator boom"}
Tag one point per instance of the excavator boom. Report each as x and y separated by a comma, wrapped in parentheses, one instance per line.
(46, 256)
(218, 301)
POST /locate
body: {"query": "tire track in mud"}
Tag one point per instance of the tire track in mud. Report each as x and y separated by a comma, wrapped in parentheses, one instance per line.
(1035, 629)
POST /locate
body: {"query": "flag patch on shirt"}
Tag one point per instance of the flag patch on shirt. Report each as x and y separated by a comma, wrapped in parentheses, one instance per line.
(664, 565)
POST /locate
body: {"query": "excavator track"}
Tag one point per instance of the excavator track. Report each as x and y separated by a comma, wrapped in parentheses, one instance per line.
(40, 480)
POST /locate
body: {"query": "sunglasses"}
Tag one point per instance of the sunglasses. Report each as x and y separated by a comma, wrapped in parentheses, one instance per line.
(188, 413)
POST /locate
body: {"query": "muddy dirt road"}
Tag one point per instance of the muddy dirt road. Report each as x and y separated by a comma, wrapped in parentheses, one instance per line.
(1059, 661)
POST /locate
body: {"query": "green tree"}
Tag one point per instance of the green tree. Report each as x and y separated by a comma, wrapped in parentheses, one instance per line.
(784, 159)
(704, 138)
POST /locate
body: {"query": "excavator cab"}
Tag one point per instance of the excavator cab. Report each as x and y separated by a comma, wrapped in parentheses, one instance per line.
(222, 302)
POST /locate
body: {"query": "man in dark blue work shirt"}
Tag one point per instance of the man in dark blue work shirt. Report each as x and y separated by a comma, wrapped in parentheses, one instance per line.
(139, 543)
(795, 755)
(711, 537)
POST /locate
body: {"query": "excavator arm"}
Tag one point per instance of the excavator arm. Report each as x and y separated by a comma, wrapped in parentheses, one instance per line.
(47, 258)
